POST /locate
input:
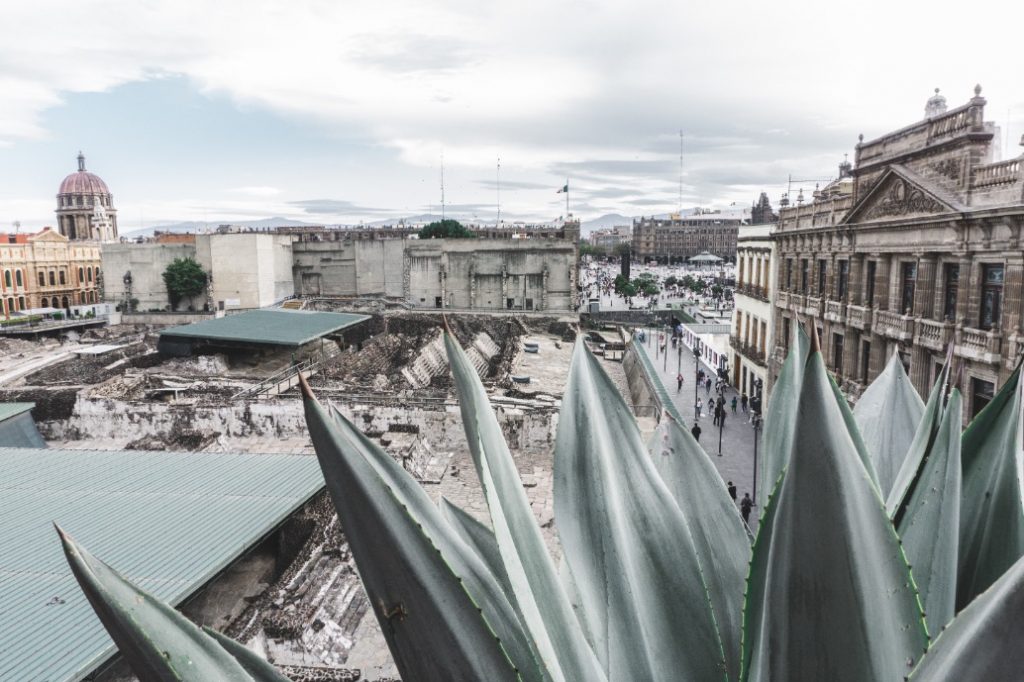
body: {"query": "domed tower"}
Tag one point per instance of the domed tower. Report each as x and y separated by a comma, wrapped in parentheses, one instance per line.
(85, 207)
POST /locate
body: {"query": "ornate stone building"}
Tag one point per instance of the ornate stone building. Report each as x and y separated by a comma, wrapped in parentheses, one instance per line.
(921, 250)
(47, 270)
(85, 207)
(682, 237)
(751, 338)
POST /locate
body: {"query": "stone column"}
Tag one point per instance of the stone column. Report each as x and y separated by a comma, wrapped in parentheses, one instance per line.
(851, 351)
(969, 295)
(920, 359)
(924, 289)
(1013, 284)
(854, 286)
(504, 289)
(879, 356)
(882, 277)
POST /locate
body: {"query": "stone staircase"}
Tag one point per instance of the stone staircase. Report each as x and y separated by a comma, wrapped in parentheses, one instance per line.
(433, 360)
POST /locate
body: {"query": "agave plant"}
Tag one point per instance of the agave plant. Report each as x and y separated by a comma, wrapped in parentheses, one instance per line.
(658, 579)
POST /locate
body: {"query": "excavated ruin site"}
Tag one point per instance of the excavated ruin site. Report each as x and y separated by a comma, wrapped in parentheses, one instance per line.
(299, 600)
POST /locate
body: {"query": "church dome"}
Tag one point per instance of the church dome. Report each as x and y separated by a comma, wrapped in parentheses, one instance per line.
(82, 181)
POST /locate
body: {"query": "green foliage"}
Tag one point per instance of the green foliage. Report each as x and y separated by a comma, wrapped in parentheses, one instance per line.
(671, 281)
(654, 554)
(446, 229)
(184, 278)
(588, 249)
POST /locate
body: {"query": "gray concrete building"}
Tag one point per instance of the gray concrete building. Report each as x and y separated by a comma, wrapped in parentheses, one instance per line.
(135, 271)
(916, 247)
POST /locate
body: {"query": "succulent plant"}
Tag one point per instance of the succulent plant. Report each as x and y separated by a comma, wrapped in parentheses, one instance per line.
(658, 579)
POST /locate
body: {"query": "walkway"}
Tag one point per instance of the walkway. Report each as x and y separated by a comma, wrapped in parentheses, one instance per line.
(736, 462)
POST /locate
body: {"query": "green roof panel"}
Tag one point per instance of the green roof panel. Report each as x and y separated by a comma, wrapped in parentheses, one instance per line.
(8, 410)
(270, 326)
(168, 521)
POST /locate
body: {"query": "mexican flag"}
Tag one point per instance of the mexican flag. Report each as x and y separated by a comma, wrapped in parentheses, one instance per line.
(565, 188)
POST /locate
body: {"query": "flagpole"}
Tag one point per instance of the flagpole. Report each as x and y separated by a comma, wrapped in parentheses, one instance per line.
(567, 199)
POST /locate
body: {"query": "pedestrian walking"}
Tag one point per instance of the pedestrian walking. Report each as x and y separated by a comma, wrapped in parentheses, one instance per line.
(707, 385)
(746, 504)
(734, 404)
(679, 384)
(695, 431)
(699, 406)
(732, 490)
(743, 402)
(715, 411)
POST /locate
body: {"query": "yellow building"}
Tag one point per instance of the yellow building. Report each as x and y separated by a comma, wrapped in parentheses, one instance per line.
(47, 270)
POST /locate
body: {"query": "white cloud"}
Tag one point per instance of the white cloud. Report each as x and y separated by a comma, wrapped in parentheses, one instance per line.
(536, 82)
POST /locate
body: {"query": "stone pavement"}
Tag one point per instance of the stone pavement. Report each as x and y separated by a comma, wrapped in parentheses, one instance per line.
(736, 462)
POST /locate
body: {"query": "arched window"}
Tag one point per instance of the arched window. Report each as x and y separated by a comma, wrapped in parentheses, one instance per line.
(42, 278)
(97, 274)
(89, 270)
(81, 275)
(10, 305)
(21, 303)
(63, 277)
(64, 303)
(7, 278)
(17, 278)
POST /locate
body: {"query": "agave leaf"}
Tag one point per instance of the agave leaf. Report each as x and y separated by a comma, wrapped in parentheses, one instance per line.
(780, 417)
(258, 668)
(991, 511)
(888, 414)
(481, 539)
(720, 537)
(626, 541)
(157, 642)
(546, 612)
(927, 430)
(422, 581)
(854, 430)
(982, 644)
(830, 595)
(930, 526)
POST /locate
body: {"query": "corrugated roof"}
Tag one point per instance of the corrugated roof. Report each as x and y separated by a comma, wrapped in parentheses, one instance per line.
(275, 326)
(8, 410)
(168, 521)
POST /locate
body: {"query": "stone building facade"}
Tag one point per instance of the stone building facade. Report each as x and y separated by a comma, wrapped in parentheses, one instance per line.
(924, 251)
(682, 237)
(85, 207)
(48, 270)
(751, 337)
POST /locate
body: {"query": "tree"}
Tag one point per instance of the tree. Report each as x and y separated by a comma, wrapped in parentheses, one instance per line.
(184, 278)
(671, 281)
(446, 229)
(588, 249)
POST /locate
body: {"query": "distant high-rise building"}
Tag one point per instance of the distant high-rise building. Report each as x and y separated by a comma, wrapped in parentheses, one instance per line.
(85, 207)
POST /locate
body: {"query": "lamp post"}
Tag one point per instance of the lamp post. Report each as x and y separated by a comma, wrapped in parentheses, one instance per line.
(756, 421)
(696, 372)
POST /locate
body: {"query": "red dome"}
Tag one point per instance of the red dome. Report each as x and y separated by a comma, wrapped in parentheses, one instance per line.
(83, 182)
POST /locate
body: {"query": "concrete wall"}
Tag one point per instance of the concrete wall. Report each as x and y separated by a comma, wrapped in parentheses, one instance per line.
(147, 263)
(250, 269)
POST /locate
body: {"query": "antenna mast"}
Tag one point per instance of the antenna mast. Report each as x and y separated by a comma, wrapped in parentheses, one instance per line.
(442, 186)
(680, 174)
(498, 176)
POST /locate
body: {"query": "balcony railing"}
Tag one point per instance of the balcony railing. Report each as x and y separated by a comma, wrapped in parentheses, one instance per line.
(978, 344)
(894, 325)
(783, 299)
(835, 311)
(749, 351)
(753, 291)
(812, 306)
(934, 335)
(859, 316)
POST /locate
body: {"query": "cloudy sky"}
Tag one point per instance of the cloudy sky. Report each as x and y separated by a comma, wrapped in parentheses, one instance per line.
(336, 111)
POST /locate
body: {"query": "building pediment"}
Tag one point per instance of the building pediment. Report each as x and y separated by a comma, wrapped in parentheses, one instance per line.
(901, 194)
(48, 235)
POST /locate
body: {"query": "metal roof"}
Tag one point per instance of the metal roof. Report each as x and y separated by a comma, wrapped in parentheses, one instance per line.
(169, 521)
(8, 410)
(277, 327)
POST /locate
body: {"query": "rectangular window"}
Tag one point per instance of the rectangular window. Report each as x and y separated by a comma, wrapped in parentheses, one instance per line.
(789, 274)
(951, 277)
(865, 360)
(785, 333)
(805, 272)
(844, 280)
(909, 284)
(822, 270)
(991, 295)
(837, 353)
(869, 285)
(982, 393)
